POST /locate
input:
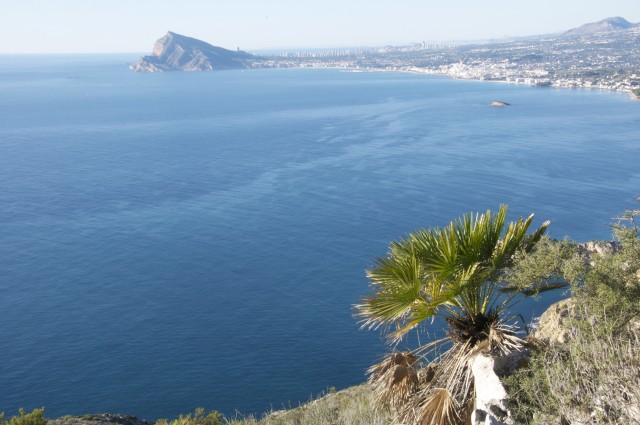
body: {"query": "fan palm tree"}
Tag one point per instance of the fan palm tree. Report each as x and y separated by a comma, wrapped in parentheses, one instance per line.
(455, 273)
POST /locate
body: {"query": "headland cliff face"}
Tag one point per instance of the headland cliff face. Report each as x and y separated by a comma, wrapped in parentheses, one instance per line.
(175, 52)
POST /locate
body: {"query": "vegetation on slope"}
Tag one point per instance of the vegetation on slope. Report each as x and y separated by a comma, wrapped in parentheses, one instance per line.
(36, 417)
(595, 376)
(352, 406)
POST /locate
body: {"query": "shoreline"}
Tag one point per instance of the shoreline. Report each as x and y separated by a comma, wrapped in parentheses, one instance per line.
(552, 83)
(535, 82)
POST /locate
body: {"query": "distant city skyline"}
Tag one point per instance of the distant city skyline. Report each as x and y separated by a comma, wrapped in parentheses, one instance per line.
(114, 26)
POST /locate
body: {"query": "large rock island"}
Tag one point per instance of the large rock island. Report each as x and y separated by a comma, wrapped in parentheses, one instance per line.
(175, 52)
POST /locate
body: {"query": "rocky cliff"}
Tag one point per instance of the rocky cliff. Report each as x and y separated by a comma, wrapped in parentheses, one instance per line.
(175, 52)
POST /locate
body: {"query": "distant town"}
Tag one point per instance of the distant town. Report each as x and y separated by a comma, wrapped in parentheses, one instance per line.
(607, 60)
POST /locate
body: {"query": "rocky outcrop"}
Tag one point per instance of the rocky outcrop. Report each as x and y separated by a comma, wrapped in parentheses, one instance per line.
(598, 248)
(99, 419)
(175, 52)
(555, 325)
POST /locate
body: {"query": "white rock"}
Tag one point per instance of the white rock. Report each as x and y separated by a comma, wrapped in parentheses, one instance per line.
(491, 397)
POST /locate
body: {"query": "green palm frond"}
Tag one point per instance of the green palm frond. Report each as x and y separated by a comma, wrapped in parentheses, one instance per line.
(399, 291)
(454, 270)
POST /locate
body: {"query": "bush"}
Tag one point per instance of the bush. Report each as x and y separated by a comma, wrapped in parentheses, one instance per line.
(595, 377)
(36, 417)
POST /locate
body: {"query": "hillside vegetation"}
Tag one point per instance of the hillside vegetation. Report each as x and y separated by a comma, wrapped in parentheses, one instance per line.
(347, 407)
(595, 376)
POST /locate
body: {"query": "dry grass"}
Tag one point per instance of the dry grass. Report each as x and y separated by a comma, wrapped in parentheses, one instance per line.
(593, 379)
(352, 406)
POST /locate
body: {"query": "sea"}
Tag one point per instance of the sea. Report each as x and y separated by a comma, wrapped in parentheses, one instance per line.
(179, 240)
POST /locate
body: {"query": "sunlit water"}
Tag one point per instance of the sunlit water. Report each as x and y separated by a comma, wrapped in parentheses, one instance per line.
(176, 240)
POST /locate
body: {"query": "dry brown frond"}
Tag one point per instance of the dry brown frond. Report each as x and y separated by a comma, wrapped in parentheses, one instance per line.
(454, 372)
(432, 407)
(441, 392)
(395, 379)
(503, 339)
(426, 374)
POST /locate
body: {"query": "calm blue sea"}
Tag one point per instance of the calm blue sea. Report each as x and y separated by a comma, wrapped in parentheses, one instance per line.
(176, 240)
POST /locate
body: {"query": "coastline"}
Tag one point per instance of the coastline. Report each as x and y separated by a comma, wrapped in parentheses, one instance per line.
(546, 83)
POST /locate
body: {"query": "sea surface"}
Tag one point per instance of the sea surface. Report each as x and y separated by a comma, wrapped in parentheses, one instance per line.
(176, 240)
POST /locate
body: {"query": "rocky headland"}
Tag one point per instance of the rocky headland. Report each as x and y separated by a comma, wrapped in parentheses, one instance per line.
(175, 52)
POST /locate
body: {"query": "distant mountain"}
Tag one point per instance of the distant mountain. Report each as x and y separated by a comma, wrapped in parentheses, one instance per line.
(609, 24)
(175, 52)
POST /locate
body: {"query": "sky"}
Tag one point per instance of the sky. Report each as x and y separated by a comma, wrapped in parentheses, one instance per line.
(114, 26)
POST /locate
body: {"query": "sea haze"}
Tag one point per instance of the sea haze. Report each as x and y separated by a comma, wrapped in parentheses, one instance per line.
(176, 240)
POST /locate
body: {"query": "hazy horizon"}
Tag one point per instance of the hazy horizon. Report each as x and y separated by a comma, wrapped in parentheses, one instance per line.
(119, 26)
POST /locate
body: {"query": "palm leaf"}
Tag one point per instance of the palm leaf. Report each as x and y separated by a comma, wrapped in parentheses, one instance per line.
(454, 270)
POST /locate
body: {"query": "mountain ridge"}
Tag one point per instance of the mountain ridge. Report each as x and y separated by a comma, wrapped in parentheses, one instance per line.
(615, 23)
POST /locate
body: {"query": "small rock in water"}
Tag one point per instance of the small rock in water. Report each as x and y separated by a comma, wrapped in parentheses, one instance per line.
(498, 103)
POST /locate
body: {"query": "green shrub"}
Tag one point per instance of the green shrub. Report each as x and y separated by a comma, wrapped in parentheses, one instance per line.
(595, 377)
(36, 417)
(611, 288)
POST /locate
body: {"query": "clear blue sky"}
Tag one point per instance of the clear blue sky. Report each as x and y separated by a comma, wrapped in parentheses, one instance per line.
(83, 26)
